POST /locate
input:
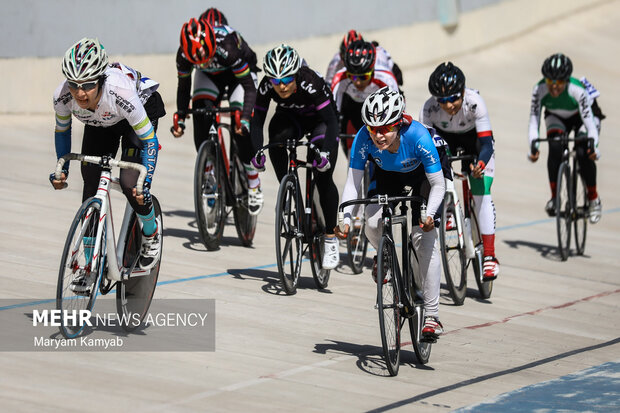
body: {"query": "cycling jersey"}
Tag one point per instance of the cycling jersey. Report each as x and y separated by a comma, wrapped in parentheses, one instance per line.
(468, 123)
(313, 98)
(232, 55)
(576, 98)
(342, 85)
(123, 95)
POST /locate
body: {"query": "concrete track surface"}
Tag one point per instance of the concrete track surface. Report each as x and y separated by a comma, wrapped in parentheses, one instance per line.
(321, 350)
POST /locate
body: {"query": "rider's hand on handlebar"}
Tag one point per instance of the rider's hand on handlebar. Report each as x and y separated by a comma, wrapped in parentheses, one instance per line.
(342, 234)
(593, 153)
(59, 183)
(243, 128)
(259, 163)
(478, 170)
(145, 197)
(427, 225)
(533, 157)
(323, 164)
(178, 127)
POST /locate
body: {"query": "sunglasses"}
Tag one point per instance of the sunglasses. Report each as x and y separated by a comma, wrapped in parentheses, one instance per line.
(361, 77)
(383, 129)
(450, 99)
(285, 80)
(86, 86)
(556, 81)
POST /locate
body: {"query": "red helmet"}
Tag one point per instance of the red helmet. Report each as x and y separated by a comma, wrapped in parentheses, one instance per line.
(197, 41)
(214, 17)
(348, 38)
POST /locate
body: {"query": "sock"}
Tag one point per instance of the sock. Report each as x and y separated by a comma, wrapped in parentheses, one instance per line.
(553, 186)
(592, 193)
(89, 245)
(253, 180)
(149, 226)
(488, 242)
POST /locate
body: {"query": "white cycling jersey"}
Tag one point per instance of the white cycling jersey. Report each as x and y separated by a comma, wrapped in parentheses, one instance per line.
(123, 95)
(342, 85)
(473, 115)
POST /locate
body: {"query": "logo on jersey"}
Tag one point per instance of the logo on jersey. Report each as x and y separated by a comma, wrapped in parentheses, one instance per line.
(64, 99)
(123, 103)
(308, 87)
(107, 115)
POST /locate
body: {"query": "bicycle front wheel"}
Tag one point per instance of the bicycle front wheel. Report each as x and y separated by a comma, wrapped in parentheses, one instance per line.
(209, 194)
(134, 296)
(453, 252)
(563, 202)
(581, 206)
(245, 223)
(288, 234)
(80, 266)
(388, 305)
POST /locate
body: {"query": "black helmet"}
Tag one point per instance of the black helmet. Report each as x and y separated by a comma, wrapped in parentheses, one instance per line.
(446, 80)
(360, 57)
(557, 67)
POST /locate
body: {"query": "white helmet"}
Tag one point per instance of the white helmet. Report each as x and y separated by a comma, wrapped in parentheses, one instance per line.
(383, 107)
(281, 61)
(85, 60)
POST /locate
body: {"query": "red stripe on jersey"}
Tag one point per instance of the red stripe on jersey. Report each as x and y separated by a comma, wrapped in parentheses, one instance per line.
(485, 133)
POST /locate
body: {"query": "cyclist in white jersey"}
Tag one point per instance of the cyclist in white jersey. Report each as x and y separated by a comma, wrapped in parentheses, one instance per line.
(362, 75)
(460, 117)
(404, 154)
(570, 104)
(117, 104)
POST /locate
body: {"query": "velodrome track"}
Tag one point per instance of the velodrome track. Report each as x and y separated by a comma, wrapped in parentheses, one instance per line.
(321, 351)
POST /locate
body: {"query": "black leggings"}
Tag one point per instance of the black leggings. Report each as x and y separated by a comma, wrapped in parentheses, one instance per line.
(284, 126)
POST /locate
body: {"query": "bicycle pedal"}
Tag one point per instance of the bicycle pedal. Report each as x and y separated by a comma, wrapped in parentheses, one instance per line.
(428, 339)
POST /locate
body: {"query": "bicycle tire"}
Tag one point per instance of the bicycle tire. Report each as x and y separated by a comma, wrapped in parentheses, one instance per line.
(453, 255)
(319, 274)
(563, 201)
(287, 230)
(484, 287)
(422, 349)
(209, 197)
(134, 296)
(245, 223)
(357, 243)
(388, 301)
(74, 263)
(581, 208)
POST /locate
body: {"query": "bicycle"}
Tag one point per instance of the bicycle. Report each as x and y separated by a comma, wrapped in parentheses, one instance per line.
(571, 200)
(357, 243)
(298, 220)
(461, 243)
(399, 292)
(91, 252)
(220, 183)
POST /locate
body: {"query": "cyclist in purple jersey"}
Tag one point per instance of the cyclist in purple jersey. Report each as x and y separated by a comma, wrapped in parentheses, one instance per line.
(116, 104)
(404, 154)
(304, 104)
(224, 63)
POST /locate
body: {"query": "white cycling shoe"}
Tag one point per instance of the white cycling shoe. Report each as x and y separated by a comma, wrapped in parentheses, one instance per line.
(331, 255)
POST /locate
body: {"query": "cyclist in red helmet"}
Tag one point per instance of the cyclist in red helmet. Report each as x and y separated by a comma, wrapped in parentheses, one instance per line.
(224, 64)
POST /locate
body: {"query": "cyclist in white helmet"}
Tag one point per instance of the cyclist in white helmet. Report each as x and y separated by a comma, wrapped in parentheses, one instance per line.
(304, 104)
(404, 154)
(117, 105)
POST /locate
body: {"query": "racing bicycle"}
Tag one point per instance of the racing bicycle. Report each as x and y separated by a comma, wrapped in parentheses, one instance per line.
(399, 287)
(220, 182)
(93, 258)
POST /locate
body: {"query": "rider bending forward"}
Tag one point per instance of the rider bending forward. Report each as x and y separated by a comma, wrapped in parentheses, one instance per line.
(117, 105)
(405, 155)
(304, 104)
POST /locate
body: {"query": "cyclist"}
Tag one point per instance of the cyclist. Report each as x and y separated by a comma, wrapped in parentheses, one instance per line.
(304, 104)
(404, 154)
(460, 117)
(223, 61)
(117, 104)
(570, 104)
(383, 58)
(362, 75)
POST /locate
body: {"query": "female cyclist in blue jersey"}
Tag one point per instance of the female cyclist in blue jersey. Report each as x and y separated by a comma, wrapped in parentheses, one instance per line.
(404, 154)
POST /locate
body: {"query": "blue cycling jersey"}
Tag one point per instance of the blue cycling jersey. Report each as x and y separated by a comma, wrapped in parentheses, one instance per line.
(416, 148)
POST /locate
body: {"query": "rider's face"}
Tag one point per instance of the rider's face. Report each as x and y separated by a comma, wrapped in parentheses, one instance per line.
(86, 99)
(386, 141)
(285, 91)
(452, 108)
(556, 87)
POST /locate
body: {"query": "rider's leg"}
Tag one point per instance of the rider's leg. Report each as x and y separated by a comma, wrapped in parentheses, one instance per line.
(425, 244)
(555, 127)
(587, 168)
(206, 94)
(282, 127)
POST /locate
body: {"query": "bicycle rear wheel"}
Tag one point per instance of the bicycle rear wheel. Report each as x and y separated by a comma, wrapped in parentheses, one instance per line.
(563, 201)
(245, 223)
(388, 305)
(422, 349)
(581, 205)
(209, 194)
(134, 296)
(319, 274)
(80, 266)
(288, 234)
(484, 287)
(453, 253)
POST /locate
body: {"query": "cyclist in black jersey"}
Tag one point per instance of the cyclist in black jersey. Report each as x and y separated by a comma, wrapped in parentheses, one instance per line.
(304, 104)
(224, 63)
